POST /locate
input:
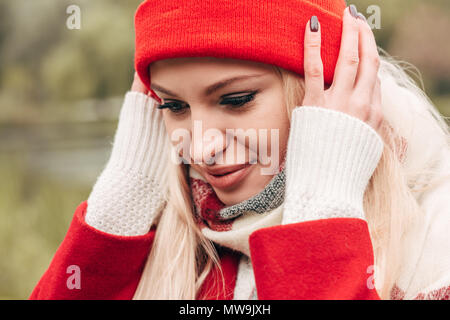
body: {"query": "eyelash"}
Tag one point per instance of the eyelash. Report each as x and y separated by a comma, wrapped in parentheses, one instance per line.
(233, 102)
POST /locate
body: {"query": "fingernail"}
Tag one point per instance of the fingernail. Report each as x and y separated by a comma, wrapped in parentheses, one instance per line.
(314, 24)
(361, 16)
(353, 11)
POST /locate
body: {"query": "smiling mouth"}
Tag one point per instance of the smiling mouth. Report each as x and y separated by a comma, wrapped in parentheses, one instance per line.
(228, 179)
(223, 174)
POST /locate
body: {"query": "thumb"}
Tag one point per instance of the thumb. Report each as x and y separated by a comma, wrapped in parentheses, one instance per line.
(137, 85)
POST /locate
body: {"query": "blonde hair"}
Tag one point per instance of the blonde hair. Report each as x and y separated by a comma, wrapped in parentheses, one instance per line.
(181, 257)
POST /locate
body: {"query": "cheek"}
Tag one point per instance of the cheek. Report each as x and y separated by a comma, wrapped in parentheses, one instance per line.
(274, 118)
(273, 147)
(179, 136)
(168, 123)
(174, 127)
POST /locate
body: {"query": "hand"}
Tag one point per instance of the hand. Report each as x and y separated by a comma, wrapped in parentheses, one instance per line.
(356, 88)
(130, 192)
(137, 85)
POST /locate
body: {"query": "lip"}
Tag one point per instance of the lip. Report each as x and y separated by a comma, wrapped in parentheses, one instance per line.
(230, 175)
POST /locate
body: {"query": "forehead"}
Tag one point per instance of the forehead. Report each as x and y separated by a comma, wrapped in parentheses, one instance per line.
(206, 65)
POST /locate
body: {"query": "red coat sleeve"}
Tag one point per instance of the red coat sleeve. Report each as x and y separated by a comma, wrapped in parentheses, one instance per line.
(321, 259)
(91, 264)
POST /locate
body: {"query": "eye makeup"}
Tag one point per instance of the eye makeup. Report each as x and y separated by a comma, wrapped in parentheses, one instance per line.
(233, 100)
(238, 101)
(176, 107)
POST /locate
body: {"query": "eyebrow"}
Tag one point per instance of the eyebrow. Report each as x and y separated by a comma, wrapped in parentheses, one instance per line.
(212, 88)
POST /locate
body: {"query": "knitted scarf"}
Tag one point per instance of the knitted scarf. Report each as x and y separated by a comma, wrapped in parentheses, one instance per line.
(230, 226)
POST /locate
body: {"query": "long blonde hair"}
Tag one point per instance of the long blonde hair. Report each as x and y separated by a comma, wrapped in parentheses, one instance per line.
(181, 257)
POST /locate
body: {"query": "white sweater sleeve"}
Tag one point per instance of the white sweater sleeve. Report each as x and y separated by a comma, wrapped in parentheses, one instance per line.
(131, 189)
(330, 159)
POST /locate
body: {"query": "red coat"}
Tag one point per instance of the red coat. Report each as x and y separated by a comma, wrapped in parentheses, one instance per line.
(321, 259)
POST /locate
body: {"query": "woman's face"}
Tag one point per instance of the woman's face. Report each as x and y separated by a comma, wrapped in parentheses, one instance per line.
(227, 119)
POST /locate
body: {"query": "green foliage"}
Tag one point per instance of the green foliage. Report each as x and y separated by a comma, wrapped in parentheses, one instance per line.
(35, 212)
(44, 60)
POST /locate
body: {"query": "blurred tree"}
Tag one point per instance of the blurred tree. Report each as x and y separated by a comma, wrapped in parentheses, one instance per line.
(420, 37)
(28, 36)
(42, 60)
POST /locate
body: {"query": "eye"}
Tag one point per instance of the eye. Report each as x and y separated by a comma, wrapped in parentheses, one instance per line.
(175, 107)
(238, 101)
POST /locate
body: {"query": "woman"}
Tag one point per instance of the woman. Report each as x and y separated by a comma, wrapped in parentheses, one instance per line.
(346, 200)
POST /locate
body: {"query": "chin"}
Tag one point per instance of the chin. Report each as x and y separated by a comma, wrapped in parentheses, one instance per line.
(251, 185)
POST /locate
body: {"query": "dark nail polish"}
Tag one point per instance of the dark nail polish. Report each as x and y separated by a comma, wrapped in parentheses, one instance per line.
(314, 24)
(361, 16)
(353, 11)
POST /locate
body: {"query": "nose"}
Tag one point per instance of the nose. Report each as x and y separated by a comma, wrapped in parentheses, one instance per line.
(208, 143)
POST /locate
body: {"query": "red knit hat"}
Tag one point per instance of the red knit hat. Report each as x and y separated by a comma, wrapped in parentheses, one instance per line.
(268, 31)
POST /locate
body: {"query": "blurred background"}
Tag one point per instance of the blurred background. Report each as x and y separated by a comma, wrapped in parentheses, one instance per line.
(60, 95)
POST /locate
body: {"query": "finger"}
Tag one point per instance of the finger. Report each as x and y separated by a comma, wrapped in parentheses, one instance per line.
(348, 59)
(314, 80)
(137, 85)
(376, 114)
(369, 62)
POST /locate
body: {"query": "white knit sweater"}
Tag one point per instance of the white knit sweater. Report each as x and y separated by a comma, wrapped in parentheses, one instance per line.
(331, 157)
